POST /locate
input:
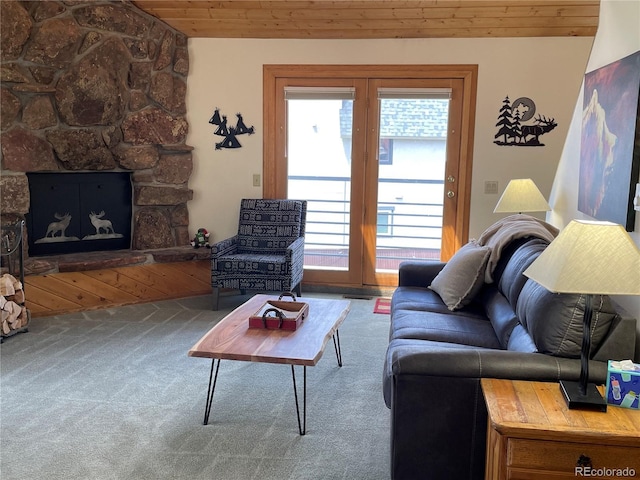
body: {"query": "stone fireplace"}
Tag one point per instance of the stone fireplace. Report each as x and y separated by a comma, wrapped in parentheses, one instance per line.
(96, 86)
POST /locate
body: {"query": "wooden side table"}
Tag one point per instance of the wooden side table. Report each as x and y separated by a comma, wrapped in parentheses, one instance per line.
(531, 434)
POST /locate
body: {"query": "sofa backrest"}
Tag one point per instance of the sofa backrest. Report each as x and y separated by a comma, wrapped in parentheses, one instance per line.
(555, 321)
(527, 317)
(512, 279)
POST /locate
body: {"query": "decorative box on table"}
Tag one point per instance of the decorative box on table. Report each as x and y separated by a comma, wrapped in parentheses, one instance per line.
(280, 314)
(623, 384)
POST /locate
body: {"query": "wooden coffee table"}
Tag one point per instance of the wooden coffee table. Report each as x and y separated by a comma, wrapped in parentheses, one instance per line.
(232, 339)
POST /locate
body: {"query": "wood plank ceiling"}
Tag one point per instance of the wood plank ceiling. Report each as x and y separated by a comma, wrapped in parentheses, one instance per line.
(351, 19)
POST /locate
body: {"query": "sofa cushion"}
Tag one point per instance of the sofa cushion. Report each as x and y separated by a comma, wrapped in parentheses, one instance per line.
(521, 341)
(500, 313)
(457, 327)
(462, 277)
(247, 264)
(417, 298)
(555, 320)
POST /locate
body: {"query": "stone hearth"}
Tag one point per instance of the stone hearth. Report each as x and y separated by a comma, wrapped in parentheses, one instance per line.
(79, 262)
(97, 86)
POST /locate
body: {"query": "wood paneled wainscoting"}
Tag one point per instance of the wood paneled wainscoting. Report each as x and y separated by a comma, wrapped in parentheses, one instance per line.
(58, 293)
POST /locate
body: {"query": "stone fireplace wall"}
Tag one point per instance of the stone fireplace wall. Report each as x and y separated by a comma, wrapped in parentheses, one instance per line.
(96, 86)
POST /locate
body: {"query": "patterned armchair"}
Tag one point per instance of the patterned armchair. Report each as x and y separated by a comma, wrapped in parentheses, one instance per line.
(267, 254)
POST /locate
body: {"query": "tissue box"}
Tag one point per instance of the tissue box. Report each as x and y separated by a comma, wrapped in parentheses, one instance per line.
(623, 384)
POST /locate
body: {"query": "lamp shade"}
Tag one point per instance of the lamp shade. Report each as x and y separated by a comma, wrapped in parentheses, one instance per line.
(590, 258)
(521, 195)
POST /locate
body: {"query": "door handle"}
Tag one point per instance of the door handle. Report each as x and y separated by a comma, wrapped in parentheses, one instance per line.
(451, 194)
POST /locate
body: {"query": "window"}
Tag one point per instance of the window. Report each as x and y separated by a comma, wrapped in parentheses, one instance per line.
(385, 220)
(385, 156)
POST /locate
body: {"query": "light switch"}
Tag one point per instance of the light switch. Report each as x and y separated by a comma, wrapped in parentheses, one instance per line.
(491, 187)
(256, 179)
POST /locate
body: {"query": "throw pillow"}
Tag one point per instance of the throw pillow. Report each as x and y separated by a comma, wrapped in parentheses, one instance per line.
(463, 276)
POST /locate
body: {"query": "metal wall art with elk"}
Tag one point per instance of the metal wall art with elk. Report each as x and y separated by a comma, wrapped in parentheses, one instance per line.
(512, 129)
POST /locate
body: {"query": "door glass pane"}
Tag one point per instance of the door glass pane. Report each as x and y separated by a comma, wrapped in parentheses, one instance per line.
(411, 166)
(319, 163)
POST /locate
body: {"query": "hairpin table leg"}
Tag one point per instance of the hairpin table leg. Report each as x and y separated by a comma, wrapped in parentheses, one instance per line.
(302, 427)
(210, 390)
(337, 348)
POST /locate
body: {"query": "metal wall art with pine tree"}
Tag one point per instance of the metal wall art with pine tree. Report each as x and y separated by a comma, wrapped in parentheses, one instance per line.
(230, 134)
(512, 131)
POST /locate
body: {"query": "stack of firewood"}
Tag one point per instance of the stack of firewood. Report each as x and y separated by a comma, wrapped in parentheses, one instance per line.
(14, 314)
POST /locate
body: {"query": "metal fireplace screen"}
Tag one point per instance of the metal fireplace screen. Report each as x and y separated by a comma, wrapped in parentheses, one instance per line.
(79, 212)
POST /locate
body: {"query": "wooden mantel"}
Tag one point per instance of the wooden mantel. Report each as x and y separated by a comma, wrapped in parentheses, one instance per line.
(351, 19)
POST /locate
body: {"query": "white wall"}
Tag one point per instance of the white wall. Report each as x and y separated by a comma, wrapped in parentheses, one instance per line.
(618, 36)
(227, 73)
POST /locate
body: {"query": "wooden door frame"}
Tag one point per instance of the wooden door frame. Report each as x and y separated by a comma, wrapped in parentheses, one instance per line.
(274, 139)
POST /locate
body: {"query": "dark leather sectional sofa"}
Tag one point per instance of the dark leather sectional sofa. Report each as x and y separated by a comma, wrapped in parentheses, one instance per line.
(512, 328)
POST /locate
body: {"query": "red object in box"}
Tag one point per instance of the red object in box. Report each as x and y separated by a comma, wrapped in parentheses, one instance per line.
(277, 314)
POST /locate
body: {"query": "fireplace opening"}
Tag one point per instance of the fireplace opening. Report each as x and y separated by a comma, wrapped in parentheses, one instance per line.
(79, 212)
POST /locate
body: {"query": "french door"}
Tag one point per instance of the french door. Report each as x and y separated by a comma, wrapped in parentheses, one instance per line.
(381, 154)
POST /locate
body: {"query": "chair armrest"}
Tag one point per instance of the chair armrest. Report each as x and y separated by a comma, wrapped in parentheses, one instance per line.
(224, 247)
(296, 249)
(418, 273)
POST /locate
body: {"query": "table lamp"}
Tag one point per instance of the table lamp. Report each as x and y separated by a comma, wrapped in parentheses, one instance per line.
(588, 258)
(521, 195)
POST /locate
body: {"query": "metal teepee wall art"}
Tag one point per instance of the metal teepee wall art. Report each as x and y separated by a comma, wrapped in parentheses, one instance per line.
(513, 132)
(230, 134)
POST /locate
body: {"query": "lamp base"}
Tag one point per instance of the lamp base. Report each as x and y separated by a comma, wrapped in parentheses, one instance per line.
(592, 400)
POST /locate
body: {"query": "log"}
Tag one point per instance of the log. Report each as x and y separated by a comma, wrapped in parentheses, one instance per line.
(14, 313)
(7, 283)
